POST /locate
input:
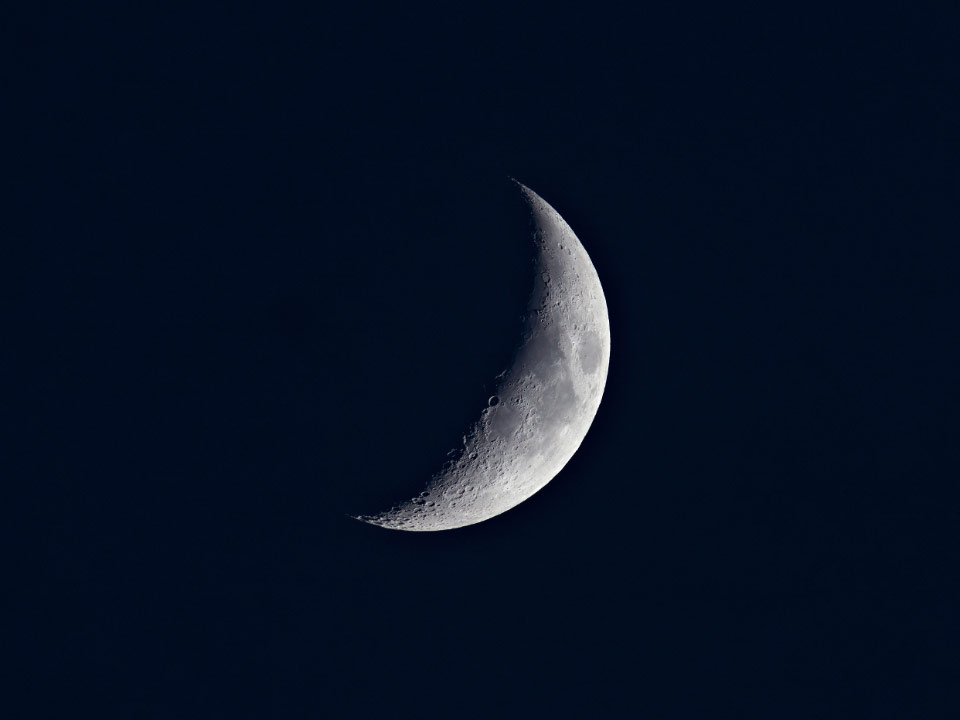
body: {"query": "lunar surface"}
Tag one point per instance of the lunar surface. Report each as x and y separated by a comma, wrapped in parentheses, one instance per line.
(544, 403)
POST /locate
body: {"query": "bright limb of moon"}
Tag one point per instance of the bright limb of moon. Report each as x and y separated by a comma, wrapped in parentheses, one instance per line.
(544, 403)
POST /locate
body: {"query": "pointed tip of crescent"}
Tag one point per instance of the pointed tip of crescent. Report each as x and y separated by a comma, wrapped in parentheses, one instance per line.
(382, 520)
(538, 206)
(526, 191)
(365, 519)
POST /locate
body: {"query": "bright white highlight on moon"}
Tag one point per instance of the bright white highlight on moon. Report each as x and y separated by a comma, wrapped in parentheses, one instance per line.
(544, 404)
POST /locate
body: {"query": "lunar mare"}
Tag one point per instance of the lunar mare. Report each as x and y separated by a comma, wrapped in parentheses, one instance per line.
(543, 404)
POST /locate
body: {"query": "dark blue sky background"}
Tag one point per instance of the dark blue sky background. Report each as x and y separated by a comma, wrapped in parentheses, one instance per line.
(261, 263)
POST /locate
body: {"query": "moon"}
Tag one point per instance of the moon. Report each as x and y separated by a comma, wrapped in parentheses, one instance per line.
(543, 404)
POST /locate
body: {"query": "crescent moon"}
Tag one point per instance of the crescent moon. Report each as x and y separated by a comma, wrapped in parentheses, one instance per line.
(544, 403)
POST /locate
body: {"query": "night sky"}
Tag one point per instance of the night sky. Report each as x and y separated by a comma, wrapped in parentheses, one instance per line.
(260, 267)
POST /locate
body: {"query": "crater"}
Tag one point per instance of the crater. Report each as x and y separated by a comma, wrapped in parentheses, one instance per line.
(502, 421)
